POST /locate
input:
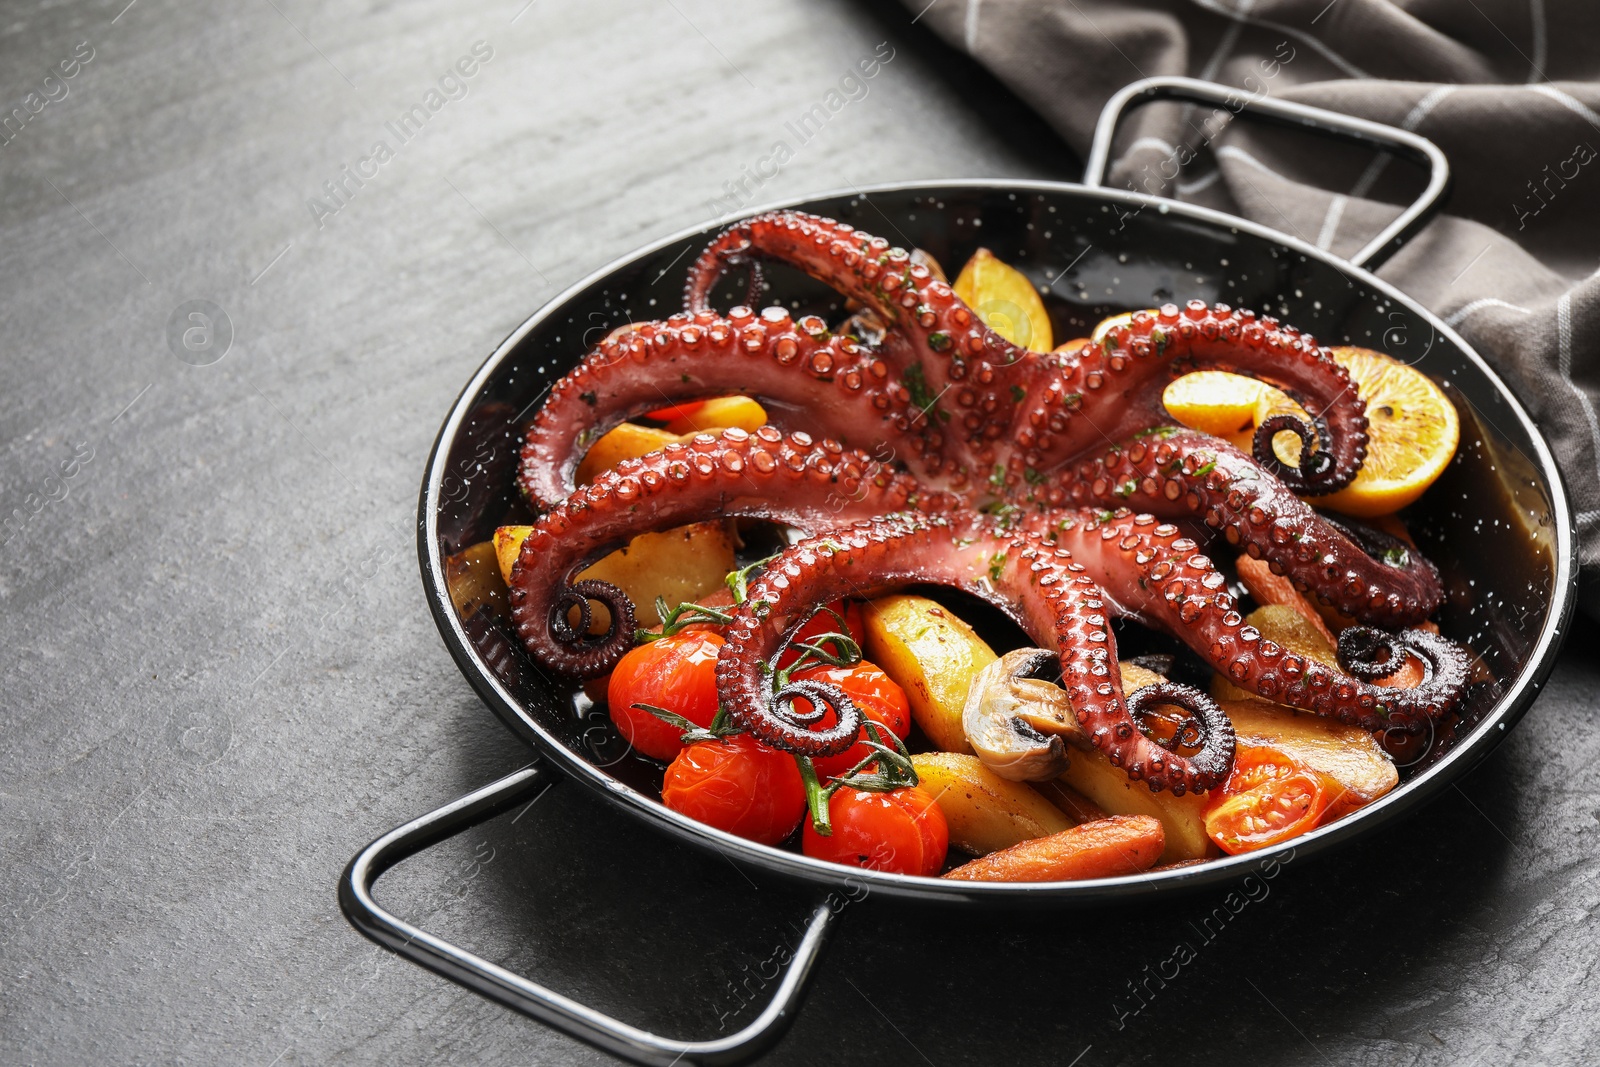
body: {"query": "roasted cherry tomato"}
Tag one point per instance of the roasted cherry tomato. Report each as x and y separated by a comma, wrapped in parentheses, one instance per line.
(903, 831)
(879, 699)
(677, 674)
(675, 411)
(1269, 797)
(823, 622)
(739, 785)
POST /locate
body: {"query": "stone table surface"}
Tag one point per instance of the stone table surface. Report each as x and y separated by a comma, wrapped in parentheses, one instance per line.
(221, 679)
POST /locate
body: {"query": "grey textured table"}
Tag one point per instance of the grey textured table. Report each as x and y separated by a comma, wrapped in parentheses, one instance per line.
(221, 678)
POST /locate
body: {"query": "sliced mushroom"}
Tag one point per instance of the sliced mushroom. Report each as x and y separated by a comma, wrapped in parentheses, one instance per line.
(1019, 726)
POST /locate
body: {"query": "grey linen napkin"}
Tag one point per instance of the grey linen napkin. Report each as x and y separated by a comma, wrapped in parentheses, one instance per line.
(1509, 89)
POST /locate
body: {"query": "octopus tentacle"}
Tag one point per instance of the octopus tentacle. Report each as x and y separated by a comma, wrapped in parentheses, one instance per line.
(574, 650)
(793, 479)
(1113, 388)
(1175, 472)
(1036, 583)
(1371, 654)
(1151, 570)
(794, 366)
(963, 375)
(965, 422)
(1207, 717)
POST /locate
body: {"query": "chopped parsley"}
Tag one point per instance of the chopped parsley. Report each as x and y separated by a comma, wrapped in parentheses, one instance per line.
(996, 565)
(1397, 556)
(916, 384)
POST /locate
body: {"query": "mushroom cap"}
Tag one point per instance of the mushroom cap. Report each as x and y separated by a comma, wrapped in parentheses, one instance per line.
(1019, 726)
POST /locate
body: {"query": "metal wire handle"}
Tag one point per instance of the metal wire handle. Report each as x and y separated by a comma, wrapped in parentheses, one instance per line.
(529, 998)
(1300, 116)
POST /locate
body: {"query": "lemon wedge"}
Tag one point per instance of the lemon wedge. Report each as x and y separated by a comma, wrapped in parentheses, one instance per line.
(1005, 300)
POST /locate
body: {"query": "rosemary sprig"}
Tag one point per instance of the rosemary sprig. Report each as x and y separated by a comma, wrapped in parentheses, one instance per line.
(679, 619)
(739, 581)
(721, 728)
(836, 648)
(895, 771)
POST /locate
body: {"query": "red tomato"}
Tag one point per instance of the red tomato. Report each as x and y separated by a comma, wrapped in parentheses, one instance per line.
(824, 623)
(676, 411)
(879, 699)
(1269, 797)
(738, 785)
(677, 674)
(903, 832)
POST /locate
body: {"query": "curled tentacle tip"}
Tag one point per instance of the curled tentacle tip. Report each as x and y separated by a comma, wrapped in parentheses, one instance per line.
(1315, 473)
(592, 654)
(1209, 727)
(1368, 653)
(785, 726)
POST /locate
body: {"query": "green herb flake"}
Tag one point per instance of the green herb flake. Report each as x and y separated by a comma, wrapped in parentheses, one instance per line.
(996, 565)
(916, 383)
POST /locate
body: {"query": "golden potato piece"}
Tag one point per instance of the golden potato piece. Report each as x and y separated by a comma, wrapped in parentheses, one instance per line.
(628, 441)
(471, 578)
(1092, 774)
(1346, 754)
(985, 812)
(934, 657)
(681, 565)
(507, 544)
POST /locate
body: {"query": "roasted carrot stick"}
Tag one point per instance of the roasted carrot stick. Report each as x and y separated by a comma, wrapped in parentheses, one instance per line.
(1122, 844)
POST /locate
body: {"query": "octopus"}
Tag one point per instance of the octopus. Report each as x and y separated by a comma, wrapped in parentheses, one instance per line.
(1054, 486)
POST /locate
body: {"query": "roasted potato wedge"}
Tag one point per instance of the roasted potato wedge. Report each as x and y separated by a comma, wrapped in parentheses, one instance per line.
(1182, 818)
(933, 656)
(628, 441)
(470, 576)
(1092, 774)
(1346, 754)
(507, 545)
(985, 812)
(682, 564)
